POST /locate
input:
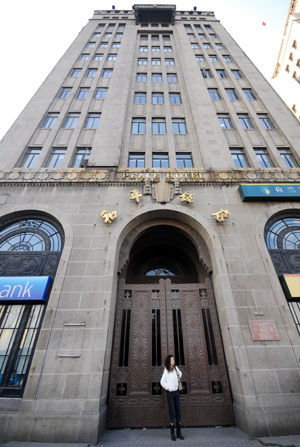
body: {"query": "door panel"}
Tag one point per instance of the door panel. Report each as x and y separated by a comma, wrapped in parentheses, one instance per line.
(152, 321)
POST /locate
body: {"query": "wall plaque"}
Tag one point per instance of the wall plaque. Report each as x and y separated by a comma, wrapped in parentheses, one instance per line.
(263, 330)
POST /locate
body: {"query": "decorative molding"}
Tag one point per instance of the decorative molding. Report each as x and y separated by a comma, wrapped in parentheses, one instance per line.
(124, 176)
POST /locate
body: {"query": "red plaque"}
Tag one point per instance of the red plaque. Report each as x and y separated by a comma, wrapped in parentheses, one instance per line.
(263, 330)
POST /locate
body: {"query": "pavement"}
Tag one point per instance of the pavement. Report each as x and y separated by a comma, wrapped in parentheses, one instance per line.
(194, 437)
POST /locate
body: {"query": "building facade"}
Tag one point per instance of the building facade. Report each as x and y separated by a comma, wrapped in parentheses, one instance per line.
(149, 204)
(286, 76)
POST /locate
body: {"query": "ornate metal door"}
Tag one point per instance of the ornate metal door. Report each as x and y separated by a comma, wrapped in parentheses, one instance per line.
(154, 320)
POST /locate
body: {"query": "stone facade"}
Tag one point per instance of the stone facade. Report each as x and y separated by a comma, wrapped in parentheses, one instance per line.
(104, 207)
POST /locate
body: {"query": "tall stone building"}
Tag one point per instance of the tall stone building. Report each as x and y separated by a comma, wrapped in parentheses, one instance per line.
(150, 205)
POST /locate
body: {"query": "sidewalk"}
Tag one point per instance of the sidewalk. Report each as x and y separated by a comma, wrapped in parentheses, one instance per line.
(194, 437)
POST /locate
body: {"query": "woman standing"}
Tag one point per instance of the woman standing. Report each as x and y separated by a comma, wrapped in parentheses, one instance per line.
(169, 382)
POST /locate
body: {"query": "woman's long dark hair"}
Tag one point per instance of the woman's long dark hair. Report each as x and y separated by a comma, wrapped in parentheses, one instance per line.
(168, 362)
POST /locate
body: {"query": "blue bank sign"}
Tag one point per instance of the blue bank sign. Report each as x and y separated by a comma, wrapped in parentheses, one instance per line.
(24, 289)
(272, 192)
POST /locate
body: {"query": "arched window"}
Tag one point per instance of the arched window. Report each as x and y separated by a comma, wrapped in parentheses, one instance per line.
(29, 246)
(282, 235)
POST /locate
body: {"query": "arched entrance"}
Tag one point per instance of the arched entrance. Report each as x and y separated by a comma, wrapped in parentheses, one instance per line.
(166, 305)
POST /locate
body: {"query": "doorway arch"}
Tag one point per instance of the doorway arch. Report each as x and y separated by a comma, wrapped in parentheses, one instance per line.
(166, 304)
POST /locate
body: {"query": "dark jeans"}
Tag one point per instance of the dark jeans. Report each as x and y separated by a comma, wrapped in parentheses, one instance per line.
(174, 406)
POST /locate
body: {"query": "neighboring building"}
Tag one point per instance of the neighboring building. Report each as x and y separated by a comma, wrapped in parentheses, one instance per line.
(149, 204)
(287, 71)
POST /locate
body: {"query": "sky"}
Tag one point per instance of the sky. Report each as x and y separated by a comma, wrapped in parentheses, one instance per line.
(34, 35)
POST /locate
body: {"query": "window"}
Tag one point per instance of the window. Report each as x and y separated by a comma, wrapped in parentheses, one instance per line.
(291, 57)
(245, 121)
(103, 45)
(56, 157)
(265, 120)
(84, 57)
(98, 57)
(138, 125)
(49, 121)
(30, 157)
(207, 26)
(197, 27)
(155, 49)
(206, 46)
(121, 26)
(175, 98)
(294, 44)
(141, 77)
(64, 93)
(108, 35)
(82, 155)
(231, 94)
(157, 98)
(82, 93)
(184, 160)
(119, 35)
(249, 94)
(96, 35)
(166, 38)
(195, 45)
(288, 157)
(140, 98)
(160, 161)
(101, 26)
(212, 36)
(214, 93)
(92, 121)
(91, 72)
(201, 35)
(169, 61)
(75, 72)
(144, 37)
(156, 77)
(190, 35)
(100, 93)
(287, 68)
(225, 121)
(227, 58)
(187, 26)
(142, 61)
(136, 160)
(158, 126)
(178, 125)
(263, 157)
(239, 157)
(236, 74)
(168, 49)
(106, 73)
(155, 37)
(111, 26)
(213, 58)
(111, 57)
(115, 45)
(156, 61)
(143, 49)
(71, 121)
(200, 58)
(206, 73)
(172, 77)
(91, 44)
(221, 73)
(219, 46)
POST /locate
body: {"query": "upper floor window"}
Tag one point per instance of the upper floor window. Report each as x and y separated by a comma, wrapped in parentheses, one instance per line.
(84, 57)
(91, 44)
(199, 58)
(227, 58)
(103, 45)
(56, 157)
(288, 157)
(213, 58)
(201, 35)
(136, 160)
(106, 73)
(30, 157)
(190, 35)
(231, 94)
(212, 36)
(207, 46)
(100, 93)
(168, 49)
(158, 125)
(221, 73)
(138, 125)
(169, 61)
(219, 46)
(82, 155)
(265, 120)
(166, 37)
(157, 98)
(71, 121)
(160, 161)
(184, 160)
(142, 61)
(115, 45)
(144, 37)
(263, 157)
(143, 49)
(98, 57)
(239, 157)
(156, 77)
(214, 93)
(195, 46)
(155, 49)
(225, 121)
(245, 121)
(107, 35)
(249, 94)
(175, 98)
(82, 93)
(155, 37)
(172, 77)
(156, 61)
(75, 72)
(49, 121)
(141, 77)
(140, 98)
(119, 35)
(64, 93)
(111, 57)
(206, 73)
(91, 72)
(236, 74)
(178, 125)
(92, 121)
(96, 35)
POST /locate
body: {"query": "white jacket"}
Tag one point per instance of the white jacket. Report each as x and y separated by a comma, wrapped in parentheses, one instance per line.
(169, 380)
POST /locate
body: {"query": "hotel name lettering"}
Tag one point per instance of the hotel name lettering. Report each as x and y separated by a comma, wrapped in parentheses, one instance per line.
(143, 176)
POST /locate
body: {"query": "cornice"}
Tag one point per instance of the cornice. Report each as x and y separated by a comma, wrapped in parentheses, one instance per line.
(125, 176)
